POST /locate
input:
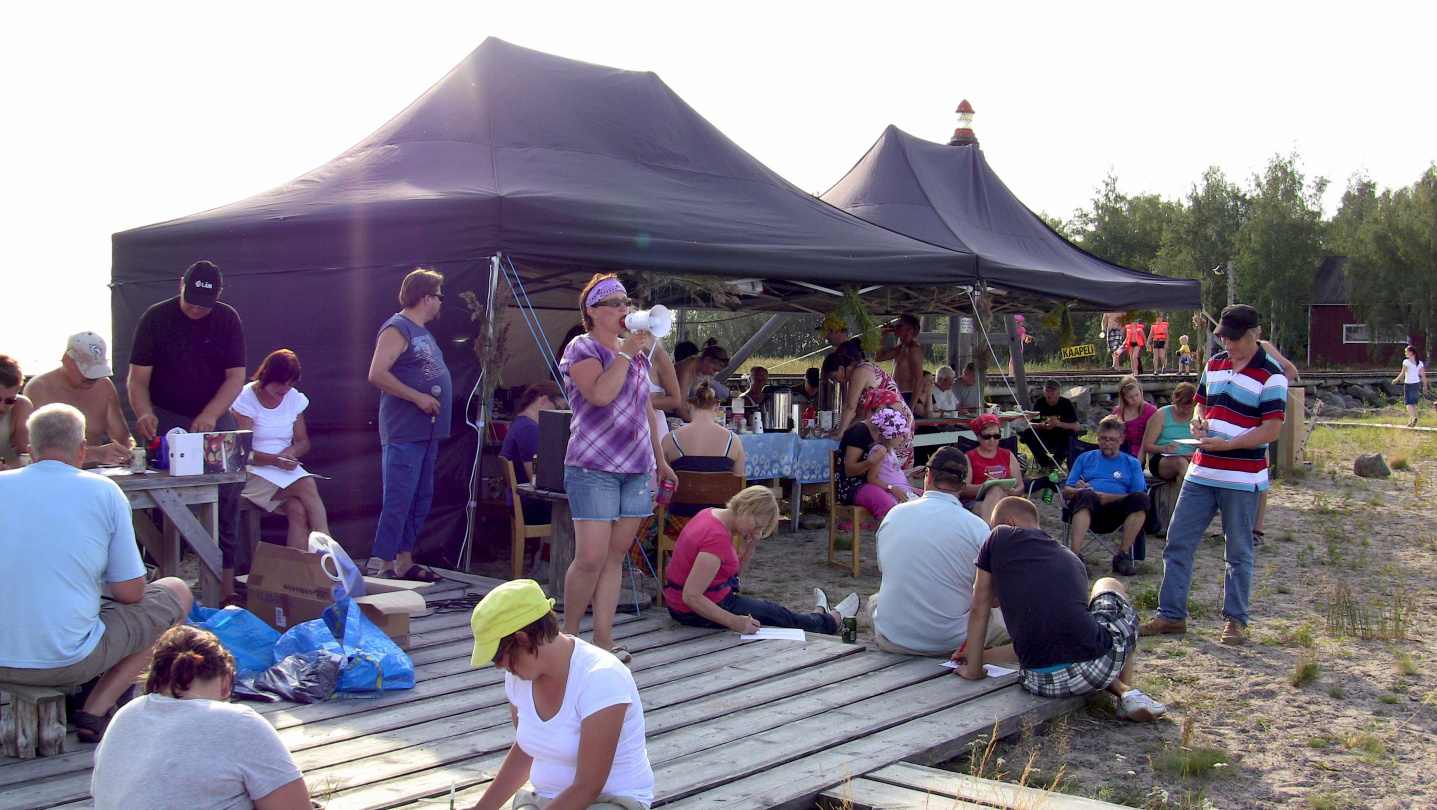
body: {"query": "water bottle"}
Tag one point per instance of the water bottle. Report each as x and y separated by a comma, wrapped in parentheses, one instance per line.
(666, 492)
(1048, 493)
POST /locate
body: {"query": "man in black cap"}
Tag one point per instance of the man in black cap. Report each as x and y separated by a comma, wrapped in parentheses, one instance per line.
(1239, 408)
(1047, 437)
(187, 365)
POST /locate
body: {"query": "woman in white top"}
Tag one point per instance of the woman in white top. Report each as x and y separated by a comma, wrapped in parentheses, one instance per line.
(579, 726)
(183, 746)
(271, 408)
(1413, 377)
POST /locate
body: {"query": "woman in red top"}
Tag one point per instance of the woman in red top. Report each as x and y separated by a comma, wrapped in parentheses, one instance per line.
(1135, 413)
(986, 461)
(702, 587)
(1158, 337)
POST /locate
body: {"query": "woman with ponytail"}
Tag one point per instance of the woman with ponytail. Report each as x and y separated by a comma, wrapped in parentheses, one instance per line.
(184, 746)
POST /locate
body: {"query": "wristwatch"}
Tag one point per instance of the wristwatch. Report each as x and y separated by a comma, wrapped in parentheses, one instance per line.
(888, 487)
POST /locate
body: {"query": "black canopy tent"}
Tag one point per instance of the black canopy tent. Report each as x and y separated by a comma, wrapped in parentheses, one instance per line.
(563, 167)
(950, 196)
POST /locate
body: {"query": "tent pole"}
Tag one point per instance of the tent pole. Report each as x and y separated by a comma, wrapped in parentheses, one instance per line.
(953, 343)
(754, 343)
(1020, 375)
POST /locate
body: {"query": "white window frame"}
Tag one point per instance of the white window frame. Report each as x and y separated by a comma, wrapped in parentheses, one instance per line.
(1359, 333)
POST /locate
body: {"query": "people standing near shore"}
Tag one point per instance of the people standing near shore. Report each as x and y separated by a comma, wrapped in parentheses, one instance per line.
(1158, 342)
(1413, 377)
(83, 382)
(1134, 336)
(414, 416)
(612, 453)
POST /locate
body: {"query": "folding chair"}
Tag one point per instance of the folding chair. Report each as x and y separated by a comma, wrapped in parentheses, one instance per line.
(519, 530)
(836, 510)
(1110, 540)
(702, 489)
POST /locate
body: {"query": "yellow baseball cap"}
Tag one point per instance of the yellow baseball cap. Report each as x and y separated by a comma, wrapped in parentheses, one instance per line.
(506, 609)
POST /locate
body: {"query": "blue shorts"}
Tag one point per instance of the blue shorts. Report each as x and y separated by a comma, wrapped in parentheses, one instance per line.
(600, 495)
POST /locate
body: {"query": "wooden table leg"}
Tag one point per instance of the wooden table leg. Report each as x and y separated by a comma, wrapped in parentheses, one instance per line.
(561, 548)
(209, 583)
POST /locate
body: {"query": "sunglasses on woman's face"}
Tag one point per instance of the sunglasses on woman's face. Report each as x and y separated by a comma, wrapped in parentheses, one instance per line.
(992, 436)
(9, 400)
(616, 303)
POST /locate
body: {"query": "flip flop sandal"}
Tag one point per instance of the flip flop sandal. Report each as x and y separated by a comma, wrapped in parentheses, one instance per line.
(90, 728)
(622, 653)
(418, 574)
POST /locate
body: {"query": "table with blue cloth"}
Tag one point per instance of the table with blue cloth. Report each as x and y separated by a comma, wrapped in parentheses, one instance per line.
(786, 457)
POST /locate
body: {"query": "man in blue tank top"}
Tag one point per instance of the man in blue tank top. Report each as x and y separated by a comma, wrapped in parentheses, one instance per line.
(414, 415)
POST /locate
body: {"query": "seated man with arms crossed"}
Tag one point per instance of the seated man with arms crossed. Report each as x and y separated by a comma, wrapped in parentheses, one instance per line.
(1068, 640)
(926, 548)
(1105, 490)
(73, 531)
(83, 381)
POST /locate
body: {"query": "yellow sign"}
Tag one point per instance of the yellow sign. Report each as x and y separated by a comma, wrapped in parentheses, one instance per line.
(1075, 352)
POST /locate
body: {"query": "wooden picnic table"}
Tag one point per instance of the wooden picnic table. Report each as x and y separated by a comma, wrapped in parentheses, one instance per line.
(561, 537)
(173, 495)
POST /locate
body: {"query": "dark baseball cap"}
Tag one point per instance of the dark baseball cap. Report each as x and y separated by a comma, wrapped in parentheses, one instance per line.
(202, 285)
(949, 460)
(1236, 320)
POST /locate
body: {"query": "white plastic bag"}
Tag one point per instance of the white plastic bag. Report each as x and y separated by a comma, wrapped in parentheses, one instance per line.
(348, 581)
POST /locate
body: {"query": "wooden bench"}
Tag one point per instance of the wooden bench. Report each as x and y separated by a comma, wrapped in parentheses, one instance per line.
(33, 722)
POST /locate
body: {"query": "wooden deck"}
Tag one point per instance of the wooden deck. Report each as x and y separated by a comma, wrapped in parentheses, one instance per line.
(730, 724)
(905, 786)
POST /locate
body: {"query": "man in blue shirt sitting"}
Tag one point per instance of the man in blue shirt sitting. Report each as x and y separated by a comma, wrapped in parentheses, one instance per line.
(1105, 490)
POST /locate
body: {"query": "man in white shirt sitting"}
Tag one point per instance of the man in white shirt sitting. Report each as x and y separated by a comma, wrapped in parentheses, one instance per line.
(73, 530)
(926, 551)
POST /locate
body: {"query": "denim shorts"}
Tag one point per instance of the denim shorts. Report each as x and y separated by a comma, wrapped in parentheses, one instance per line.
(600, 495)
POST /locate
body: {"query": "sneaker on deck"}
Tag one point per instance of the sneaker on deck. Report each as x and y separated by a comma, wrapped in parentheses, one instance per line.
(848, 608)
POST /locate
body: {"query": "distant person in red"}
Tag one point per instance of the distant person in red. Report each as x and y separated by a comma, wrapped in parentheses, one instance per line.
(1134, 337)
(1158, 342)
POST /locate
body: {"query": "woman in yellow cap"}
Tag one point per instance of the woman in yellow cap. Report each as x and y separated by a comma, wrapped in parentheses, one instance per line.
(567, 697)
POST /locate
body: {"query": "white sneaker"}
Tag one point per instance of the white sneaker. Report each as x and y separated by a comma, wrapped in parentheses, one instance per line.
(1140, 708)
(848, 608)
(820, 599)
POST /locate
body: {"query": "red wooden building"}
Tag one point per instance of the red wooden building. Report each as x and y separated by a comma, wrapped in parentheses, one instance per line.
(1336, 336)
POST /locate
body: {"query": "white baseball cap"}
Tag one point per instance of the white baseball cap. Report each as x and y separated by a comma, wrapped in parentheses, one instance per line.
(87, 349)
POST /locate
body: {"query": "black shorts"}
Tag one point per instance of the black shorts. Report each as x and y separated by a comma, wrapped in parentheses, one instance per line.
(1107, 517)
(1160, 343)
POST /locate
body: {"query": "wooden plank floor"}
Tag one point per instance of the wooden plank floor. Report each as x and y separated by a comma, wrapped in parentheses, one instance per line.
(730, 724)
(905, 786)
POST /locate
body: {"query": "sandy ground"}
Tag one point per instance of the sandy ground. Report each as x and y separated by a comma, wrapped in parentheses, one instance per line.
(1359, 731)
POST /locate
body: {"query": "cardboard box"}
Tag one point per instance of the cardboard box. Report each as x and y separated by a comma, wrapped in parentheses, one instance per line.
(199, 453)
(288, 586)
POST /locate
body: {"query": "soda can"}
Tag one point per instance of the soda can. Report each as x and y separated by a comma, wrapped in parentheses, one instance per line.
(850, 630)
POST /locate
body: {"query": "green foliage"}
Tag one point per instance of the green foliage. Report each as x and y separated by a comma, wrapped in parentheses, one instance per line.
(1306, 670)
(1192, 762)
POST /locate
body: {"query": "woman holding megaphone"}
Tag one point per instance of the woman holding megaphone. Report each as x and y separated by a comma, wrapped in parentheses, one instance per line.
(613, 451)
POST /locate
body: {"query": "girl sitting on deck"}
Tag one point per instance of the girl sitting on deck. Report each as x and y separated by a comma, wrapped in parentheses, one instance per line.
(578, 723)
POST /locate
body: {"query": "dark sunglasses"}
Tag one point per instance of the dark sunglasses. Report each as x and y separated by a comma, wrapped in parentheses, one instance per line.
(440, 296)
(615, 302)
(989, 435)
(9, 400)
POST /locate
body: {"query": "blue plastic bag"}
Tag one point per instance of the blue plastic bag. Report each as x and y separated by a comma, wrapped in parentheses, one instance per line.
(372, 661)
(244, 634)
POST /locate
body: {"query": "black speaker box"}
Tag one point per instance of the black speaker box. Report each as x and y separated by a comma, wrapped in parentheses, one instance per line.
(553, 444)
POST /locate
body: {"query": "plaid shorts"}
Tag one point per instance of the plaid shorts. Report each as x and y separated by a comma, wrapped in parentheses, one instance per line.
(1086, 677)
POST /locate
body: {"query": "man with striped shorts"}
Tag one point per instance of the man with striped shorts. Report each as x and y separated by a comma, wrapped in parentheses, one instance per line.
(1240, 404)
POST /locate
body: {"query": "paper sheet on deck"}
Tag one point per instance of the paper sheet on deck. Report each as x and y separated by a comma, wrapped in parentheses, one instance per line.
(771, 633)
(992, 670)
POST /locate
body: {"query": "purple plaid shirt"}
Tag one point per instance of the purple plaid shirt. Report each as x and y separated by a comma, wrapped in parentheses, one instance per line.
(614, 438)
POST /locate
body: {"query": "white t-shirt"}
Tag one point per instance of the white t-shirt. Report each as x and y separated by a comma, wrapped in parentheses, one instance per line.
(926, 549)
(945, 400)
(1414, 371)
(64, 532)
(597, 680)
(273, 427)
(162, 753)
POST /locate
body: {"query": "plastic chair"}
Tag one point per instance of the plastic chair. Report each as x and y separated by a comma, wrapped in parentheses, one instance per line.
(702, 489)
(836, 510)
(519, 531)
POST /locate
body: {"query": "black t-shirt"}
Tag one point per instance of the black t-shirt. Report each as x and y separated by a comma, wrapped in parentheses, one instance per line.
(1043, 588)
(858, 436)
(188, 356)
(1064, 410)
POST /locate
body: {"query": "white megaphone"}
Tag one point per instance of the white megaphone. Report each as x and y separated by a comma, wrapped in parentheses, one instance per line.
(657, 321)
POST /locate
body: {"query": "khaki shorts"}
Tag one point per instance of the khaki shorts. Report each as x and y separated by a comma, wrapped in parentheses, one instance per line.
(997, 635)
(527, 800)
(128, 629)
(261, 492)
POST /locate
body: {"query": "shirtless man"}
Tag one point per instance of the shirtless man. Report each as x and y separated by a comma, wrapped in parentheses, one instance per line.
(907, 356)
(83, 382)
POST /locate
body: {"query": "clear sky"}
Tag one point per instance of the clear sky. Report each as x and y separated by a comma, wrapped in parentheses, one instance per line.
(124, 114)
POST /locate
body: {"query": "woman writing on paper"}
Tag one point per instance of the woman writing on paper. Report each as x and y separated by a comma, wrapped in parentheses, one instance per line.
(1168, 458)
(272, 408)
(702, 588)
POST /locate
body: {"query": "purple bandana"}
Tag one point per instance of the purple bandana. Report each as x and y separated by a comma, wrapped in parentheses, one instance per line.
(603, 289)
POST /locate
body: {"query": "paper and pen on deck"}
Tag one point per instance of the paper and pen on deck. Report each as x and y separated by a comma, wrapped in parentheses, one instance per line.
(775, 633)
(993, 670)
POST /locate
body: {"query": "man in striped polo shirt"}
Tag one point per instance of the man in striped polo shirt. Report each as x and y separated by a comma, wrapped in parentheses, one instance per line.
(1240, 404)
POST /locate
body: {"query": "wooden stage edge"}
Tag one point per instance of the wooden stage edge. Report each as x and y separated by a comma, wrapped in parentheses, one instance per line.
(730, 724)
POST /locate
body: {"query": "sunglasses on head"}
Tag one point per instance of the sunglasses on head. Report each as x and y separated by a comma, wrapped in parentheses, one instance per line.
(614, 302)
(989, 435)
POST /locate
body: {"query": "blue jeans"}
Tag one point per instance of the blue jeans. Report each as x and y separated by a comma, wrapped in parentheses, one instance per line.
(768, 614)
(408, 491)
(1197, 503)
